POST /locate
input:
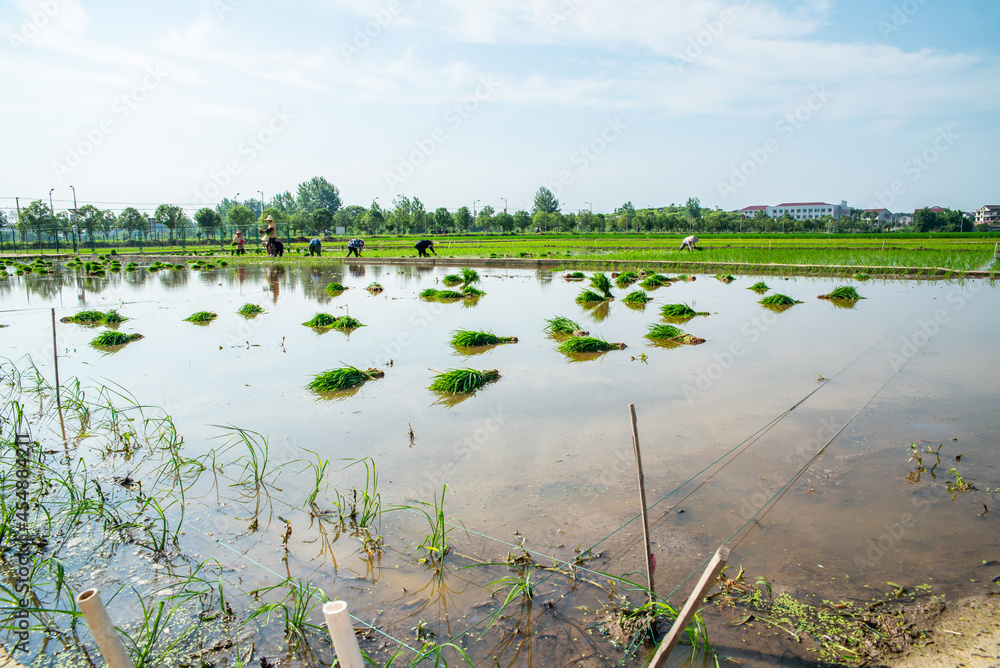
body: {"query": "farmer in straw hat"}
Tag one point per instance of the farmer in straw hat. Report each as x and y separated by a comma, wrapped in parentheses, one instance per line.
(689, 243)
(272, 233)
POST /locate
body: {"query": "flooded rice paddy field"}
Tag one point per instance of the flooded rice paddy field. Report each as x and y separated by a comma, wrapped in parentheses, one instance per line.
(787, 434)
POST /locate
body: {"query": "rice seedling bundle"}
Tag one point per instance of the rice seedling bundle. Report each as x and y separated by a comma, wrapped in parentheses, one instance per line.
(131, 266)
(462, 381)
(321, 320)
(759, 286)
(602, 284)
(626, 278)
(778, 300)
(469, 291)
(589, 297)
(374, 288)
(679, 311)
(429, 293)
(250, 310)
(113, 338)
(443, 294)
(587, 344)
(685, 277)
(113, 317)
(202, 316)
(654, 281)
(844, 292)
(671, 333)
(346, 322)
(85, 318)
(341, 379)
(465, 338)
(575, 276)
(862, 276)
(637, 297)
(334, 287)
(452, 279)
(469, 276)
(725, 278)
(562, 325)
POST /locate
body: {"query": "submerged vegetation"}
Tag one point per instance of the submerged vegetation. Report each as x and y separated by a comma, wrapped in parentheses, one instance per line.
(342, 379)
(465, 338)
(462, 381)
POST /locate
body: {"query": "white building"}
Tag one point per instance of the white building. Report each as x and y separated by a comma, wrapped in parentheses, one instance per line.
(808, 210)
(988, 214)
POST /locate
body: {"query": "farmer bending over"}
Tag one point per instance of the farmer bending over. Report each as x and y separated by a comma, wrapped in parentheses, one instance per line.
(689, 243)
(355, 246)
(315, 248)
(425, 245)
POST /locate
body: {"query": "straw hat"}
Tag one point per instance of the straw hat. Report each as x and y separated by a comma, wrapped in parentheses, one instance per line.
(270, 219)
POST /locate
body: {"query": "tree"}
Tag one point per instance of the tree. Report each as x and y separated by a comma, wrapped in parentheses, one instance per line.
(443, 219)
(225, 206)
(485, 217)
(108, 222)
(89, 219)
(35, 217)
(693, 207)
(285, 201)
(208, 221)
(318, 193)
(171, 217)
(505, 222)
(374, 218)
(349, 216)
(131, 220)
(522, 219)
(418, 214)
(322, 220)
(545, 201)
(280, 219)
(463, 219)
(3, 224)
(240, 216)
(402, 209)
(626, 212)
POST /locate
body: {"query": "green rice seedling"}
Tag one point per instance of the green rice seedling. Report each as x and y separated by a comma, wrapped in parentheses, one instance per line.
(626, 278)
(861, 276)
(654, 281)
(587, 344)
(321, 320)
(686, 277)
(112, 338)
(452, 279)
(435, 544)
(294, 607)
(602, 284)
(343, 378)
(759, 287)
(469, 276)
(202, 317)
(575, 276)
(85, 318)
(465, 338)
(671, 333)
(562, 325)
(679, 311)
(471, 292)
(725, 278)
(844, 292)
(374, 288)
(637, 297)
(448, 294)
(334, 287)
(346, 322)
(112, 317)
(250, 310)
(589, 297)
(462, 381)
(429, 293)
(778, 300)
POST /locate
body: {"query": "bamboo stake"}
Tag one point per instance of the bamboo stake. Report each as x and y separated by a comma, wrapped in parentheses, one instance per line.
(55, 357)
(706, 582)
(104, 631)
(642, 502)
(345, 643)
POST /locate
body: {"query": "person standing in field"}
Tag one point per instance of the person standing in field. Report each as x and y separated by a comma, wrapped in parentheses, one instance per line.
(239, 241)
(355, 246)
(272, 234)
(689, 243)
(425, 245)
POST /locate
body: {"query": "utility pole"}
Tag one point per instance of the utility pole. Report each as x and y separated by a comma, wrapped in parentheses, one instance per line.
(52, 212)
(504, 204)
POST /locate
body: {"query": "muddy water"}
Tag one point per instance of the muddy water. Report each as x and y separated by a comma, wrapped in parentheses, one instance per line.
(811, 410)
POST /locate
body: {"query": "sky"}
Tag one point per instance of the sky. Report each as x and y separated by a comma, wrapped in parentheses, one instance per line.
(881, 103)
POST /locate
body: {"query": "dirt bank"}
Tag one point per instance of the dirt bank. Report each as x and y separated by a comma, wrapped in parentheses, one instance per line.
(966, 633)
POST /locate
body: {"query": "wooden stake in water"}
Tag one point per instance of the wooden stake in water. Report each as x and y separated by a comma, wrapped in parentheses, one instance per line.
(706, 582)
(55, 357)
(642, 502)
(103, 630)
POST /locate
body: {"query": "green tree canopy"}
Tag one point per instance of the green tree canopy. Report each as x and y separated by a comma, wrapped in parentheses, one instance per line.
(36, 217)
(443, 219)
(463, 219)
(131, 220)
(240, 216)
(505, 222)
(522, 219)
(318, 193)
(208, 221)
(545, 201)
(171, 217)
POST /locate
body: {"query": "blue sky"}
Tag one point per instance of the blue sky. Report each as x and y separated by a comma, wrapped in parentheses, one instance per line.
(736, 102)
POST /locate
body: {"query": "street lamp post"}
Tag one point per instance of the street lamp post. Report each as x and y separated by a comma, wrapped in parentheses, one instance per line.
(504, 204)
(474, 209)
(261, 202)
(72, 218)
(52, 212)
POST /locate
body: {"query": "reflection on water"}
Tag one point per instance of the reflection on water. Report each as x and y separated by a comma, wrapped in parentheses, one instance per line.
(545, 454)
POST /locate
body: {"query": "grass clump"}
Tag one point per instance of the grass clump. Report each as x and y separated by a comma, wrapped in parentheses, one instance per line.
(637, 297)
(334, 287)
(587, 344)
(725, 278)
(679, 311)
(341, 379)
(469, 291)
(465, 338)
(374, 288)
(602, 284)
(131, 266)
(250, 310)
(321, 320)
(844, 292)
(672, 334)
(113, 317)
(462, 381)
(202, 317)
(654, 281)
(112, 338)
(778, 300)
(469, 276)
(431, 293)
(760, 287)
(452, 279)
(862, 276)
(589, 297)
(347, 322)
(575, 276)
(562, 325)
(85, 318)
(626, 278)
